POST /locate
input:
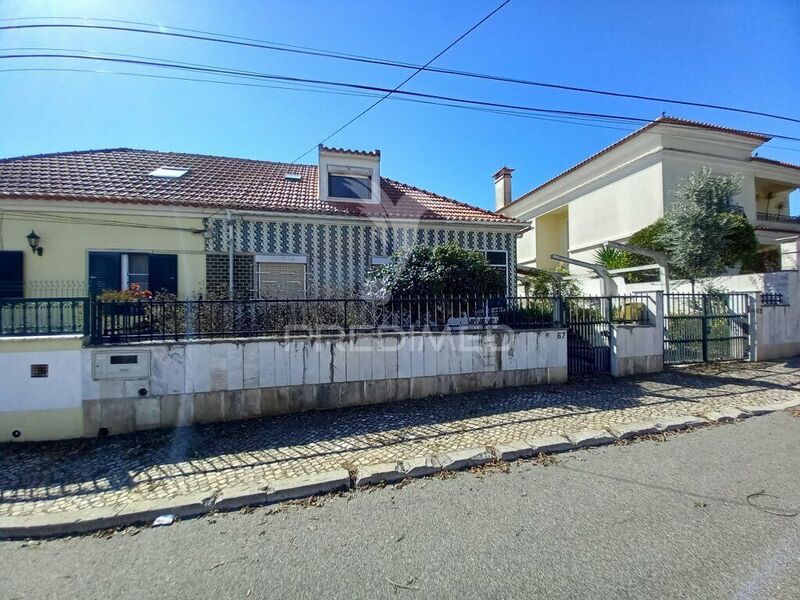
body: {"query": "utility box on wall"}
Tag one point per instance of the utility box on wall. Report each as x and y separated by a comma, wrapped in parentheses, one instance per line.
(115, 364)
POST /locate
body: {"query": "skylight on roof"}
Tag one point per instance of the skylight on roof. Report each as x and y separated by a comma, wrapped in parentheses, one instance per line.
(293, 176)
(169, 172)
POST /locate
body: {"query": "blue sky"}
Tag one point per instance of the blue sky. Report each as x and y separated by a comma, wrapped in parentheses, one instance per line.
(729, 52)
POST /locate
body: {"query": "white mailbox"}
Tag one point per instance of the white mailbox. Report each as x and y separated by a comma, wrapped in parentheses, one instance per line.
(121, 364)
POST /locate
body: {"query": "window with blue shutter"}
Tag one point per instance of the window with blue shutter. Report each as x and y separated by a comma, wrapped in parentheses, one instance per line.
(163, 274)
(11, 285)
(104, 272)
(118, 270)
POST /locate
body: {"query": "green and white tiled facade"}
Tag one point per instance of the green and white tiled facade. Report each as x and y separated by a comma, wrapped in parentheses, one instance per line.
(339, 255)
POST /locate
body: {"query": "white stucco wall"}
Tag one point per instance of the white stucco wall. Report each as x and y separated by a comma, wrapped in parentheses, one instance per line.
(526, 248)
(782, 282)
(60, 389)
(777, 332)
(639, 348)
(40, 408)
(778, 327)
(677, 167)
(614, 211)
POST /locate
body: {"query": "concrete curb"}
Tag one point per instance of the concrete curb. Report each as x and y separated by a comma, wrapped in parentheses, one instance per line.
(380, 473)
(591, 437)
(421, 466)
(757, 410)
(512, 450)
(457, 460)
(726, 414)
(143, 512)
(679, 423)
(786, 404)
(84, 521)
(549, 444)
(303, 487)
(632, 430)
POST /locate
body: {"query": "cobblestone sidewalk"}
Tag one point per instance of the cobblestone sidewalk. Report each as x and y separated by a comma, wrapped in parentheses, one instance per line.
(53, 477)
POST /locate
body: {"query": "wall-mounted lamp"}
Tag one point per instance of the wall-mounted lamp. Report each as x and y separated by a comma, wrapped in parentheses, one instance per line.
(33, 240)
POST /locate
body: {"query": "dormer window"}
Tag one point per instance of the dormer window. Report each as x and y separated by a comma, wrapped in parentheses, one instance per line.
(352, 187)
(349, 175)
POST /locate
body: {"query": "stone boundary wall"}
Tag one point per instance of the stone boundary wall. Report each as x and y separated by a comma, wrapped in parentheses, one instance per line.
(43, 407)
(777, 328)
(210, 381)
(639, 349)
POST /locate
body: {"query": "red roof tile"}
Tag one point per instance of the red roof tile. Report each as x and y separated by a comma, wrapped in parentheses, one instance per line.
(346, 151)
(660, 121)
(121, 175)
(777, 163)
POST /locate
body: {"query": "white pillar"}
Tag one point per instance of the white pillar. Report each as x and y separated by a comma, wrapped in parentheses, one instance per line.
(790, 259)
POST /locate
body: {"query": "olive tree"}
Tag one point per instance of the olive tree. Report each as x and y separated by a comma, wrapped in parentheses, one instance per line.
(703, 232)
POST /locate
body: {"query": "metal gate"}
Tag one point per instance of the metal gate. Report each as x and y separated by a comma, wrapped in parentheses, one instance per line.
(706, 327)
(588, 323)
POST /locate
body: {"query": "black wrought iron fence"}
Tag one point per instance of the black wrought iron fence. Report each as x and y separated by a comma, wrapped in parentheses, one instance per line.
(43, 288)
(187, 319)
(158, 320)
(43, 316)
(588, 323)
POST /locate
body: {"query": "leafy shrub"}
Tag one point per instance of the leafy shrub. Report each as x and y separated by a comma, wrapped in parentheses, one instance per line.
(613, 258)
(444, 270)
(542, 283)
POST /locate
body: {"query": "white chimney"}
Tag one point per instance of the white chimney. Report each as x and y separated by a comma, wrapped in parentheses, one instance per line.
(502, 187)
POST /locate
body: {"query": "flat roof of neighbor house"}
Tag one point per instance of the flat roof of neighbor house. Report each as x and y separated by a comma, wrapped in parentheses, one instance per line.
(665, 120)
(126, 175)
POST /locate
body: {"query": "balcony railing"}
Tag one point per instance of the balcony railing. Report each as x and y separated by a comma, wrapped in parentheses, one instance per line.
(44, 316)
(777, 218)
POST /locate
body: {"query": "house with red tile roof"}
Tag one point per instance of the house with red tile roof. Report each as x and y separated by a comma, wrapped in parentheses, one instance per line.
(105, 219)
(628, 185)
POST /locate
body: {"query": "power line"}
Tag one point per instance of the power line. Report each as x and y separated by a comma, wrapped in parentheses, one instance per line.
(302, 87)
(582, 121)
(219, 38)
(206, 36)
(387, 91)
(406, 80)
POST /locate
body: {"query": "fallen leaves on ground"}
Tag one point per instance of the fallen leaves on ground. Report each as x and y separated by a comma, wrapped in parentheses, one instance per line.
(546, 460)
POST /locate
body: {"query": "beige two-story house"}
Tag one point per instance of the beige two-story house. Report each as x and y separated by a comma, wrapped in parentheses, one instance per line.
(628, 185)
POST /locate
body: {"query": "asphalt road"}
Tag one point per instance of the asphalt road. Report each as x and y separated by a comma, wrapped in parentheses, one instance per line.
(650, 519)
